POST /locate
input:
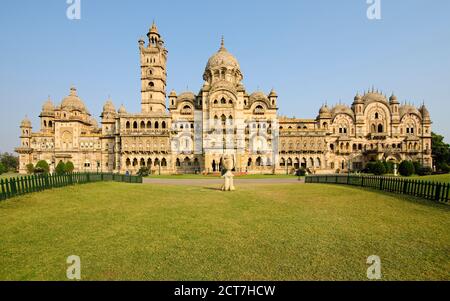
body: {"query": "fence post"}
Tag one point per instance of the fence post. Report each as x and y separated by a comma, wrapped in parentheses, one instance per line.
(3, 189)
(438, 192)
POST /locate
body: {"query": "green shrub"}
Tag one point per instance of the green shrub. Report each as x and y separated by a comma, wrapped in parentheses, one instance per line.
(300, 172)
(42, 167)
(445, 168)
(406, 168)
(424, 171)
(143, 171)
(417, 166)
(377, 168)
(2, 168)
(60, 168)
(388, 166)
(30, 168)
(69, 167)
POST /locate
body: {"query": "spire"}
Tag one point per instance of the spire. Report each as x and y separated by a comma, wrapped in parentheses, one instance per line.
(222, 44)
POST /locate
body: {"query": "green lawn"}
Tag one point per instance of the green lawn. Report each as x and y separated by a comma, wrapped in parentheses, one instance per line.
(435, 178)
(259, 232)
(9, 175)
(200, 176)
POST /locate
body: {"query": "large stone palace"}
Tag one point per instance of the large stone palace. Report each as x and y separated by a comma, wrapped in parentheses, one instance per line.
(197, 129)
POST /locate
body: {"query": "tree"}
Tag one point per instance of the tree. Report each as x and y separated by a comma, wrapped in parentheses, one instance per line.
(143, 171)
(30, 168)
(406, 168)
(60, 168)
(440, 151)
(9, 161)
(376, 168)
(42, 167)
(2, 168)
(389, 167)
(69, 168)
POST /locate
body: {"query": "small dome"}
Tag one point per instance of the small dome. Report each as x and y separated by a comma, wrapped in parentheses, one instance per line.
(26, 123)
(425, 113)
(153, 29)
(324, 110)
(409, 109)
(258, 95)
(73, 102)
(342, 109)
(358, 99)
(48, 106)
(122, 110)
(374, 96)
(273, 93)
(393, 99)
(189, 96)
(109, 107)
(173, 93)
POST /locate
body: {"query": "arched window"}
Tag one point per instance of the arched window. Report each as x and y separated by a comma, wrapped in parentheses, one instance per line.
(50, 124)
(45, 123)
(135, 125)
(377, 116)
(380, 128)
(128, 125)
(151, 84)
(374, 128)
(163, 124)
(216, 102)
(156, 125)
(149, 124)
(223, 101)
(142, 125)
(163, 162)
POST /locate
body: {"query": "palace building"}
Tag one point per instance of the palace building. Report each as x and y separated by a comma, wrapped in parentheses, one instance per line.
(190, 132)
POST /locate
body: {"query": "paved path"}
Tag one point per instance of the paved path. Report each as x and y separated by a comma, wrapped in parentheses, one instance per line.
(219, 181)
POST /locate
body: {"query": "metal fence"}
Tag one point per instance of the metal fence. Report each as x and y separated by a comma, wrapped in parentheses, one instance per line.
(21, 185)
(436, 191)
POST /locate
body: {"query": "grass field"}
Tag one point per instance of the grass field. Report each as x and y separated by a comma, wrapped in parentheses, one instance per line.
(8, 175)
(435, 178)
(260, 232)
(200, 176)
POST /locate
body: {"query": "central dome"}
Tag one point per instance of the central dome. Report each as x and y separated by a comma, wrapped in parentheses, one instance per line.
(222, 58)
(73, 102)
(222, 65)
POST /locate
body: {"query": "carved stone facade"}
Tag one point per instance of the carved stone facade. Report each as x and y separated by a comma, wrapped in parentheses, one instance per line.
(196, 130)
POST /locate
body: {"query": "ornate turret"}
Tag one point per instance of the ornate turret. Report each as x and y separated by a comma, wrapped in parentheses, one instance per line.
(358, 105)
(273, 96)
(153, 73)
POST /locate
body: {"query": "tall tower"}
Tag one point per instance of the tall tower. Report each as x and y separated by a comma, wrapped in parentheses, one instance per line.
(153, 72)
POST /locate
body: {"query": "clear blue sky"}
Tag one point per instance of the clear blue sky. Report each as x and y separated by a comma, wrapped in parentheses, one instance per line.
(309, 51)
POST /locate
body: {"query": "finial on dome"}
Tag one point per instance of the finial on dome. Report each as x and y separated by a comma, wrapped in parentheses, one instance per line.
(73, 91)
